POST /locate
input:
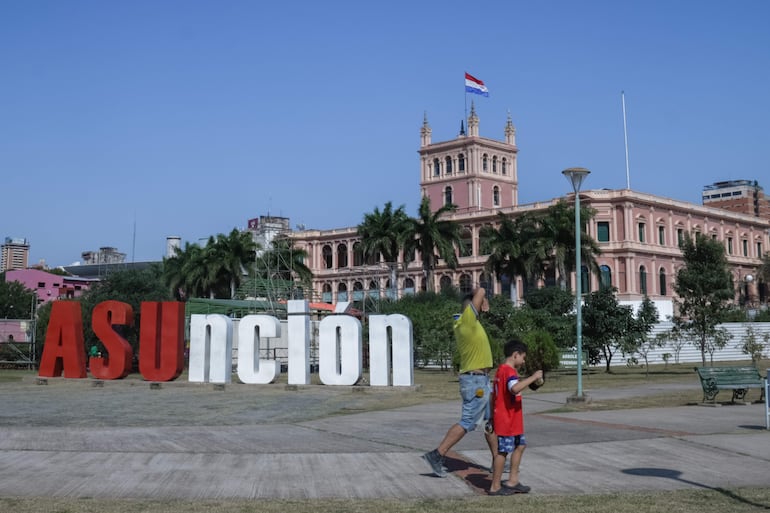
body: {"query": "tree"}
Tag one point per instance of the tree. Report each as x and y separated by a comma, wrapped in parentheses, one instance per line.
(704, 287)
(214, 270)
(607, 325)
(227, 258)
(383, 235)
(753, 346)
(16, 301)
(557, 235)
(506, 258)
(640, 341)
(435, 238)
(186, 273)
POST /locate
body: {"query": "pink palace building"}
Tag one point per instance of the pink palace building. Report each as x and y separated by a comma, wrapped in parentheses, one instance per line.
(638, 233)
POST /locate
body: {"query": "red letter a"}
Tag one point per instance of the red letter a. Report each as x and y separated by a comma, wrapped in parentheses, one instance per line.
(161, 340)
(64, 347)
(120, 356)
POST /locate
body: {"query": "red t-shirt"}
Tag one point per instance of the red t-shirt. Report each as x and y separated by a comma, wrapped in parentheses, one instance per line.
(508, 417)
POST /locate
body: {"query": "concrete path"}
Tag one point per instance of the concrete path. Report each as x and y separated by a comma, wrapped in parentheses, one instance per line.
(65, 440)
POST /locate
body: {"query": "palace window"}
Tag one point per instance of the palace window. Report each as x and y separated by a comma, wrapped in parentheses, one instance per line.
(449, 165)
(643, 280)
(461, 163)
(496, 196)
(603, 231)
(605, 276)
(448, 196)
(662, 276)
(662, 235)
(436, 167)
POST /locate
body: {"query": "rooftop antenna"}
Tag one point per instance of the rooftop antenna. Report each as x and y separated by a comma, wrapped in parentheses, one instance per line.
(625, 137)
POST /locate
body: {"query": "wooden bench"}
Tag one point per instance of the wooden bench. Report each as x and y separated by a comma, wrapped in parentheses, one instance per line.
(737, 379)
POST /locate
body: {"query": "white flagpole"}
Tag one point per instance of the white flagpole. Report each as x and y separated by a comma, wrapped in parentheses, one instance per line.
(625, 137)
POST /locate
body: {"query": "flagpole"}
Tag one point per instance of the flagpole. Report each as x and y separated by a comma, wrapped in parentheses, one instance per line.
(465, 118)
(625, 137)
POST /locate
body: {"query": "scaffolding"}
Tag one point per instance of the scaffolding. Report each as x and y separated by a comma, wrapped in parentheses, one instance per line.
(17, 343)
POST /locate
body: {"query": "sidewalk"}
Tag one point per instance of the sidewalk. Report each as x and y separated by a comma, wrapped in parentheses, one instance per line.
(259, 454)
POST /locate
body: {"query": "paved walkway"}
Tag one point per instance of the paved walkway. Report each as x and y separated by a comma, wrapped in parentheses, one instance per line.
(65, 440)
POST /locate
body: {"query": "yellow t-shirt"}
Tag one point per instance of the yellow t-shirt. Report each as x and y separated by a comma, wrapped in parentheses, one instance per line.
(472, 342)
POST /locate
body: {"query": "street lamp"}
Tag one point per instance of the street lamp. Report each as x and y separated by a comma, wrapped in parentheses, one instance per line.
(576, 175)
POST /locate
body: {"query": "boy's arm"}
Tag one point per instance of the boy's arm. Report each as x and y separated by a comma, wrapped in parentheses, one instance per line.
(480, 300)
(524, 383)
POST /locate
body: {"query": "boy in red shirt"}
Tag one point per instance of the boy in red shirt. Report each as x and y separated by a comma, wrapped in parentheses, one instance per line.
(508, 419)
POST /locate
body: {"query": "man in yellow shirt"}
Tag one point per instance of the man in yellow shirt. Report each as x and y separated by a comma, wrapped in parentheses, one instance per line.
(475, 363)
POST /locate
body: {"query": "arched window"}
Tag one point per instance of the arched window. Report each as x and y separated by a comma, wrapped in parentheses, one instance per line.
(662, 282)
(448, 196)
(505, 166)
(436, 167)
(494, 164)
(466, 247)
(485, 282)
(484, 162)
(374, 289)
(585, 280)
(408, 286)
(449, 165)
(358, 291)
(342, 292)
(605, 276)
(342, 256)
(390, 292)
(358, 254)
(326, 254)
(326, 294)
(496, 196)
(466, 284)
(445, 283)
(643, 280)
(461, 163)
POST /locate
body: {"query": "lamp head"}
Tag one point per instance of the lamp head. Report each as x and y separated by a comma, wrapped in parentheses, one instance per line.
(576, 175)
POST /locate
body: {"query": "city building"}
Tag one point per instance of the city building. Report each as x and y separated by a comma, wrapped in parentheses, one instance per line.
(105, 255)
(14, 254)
(639, 234)
(743, 196)
(49, 286)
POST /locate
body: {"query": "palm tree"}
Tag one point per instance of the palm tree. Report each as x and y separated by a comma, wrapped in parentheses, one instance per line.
(434, 238)
(557, 230)
(383, 234)
(186, 273)
(227, 257)
(505, 245)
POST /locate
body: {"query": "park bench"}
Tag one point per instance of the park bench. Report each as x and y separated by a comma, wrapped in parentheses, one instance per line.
(737, 379)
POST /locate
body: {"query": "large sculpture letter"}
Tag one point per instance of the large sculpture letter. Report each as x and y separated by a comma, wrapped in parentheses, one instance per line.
(298, 326)
(63, 349)
(339, 350)
(161, 340)
(400, 344)
(211, 348)
(120, 356)
(252, 332)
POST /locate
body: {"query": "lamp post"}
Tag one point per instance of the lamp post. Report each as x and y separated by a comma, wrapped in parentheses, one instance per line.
(576, 175)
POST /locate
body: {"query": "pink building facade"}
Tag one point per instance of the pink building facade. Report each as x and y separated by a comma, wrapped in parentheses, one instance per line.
(50, 286)
(639, 234)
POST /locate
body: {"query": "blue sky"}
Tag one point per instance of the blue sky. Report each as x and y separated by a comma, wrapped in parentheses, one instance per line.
(189, 117)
